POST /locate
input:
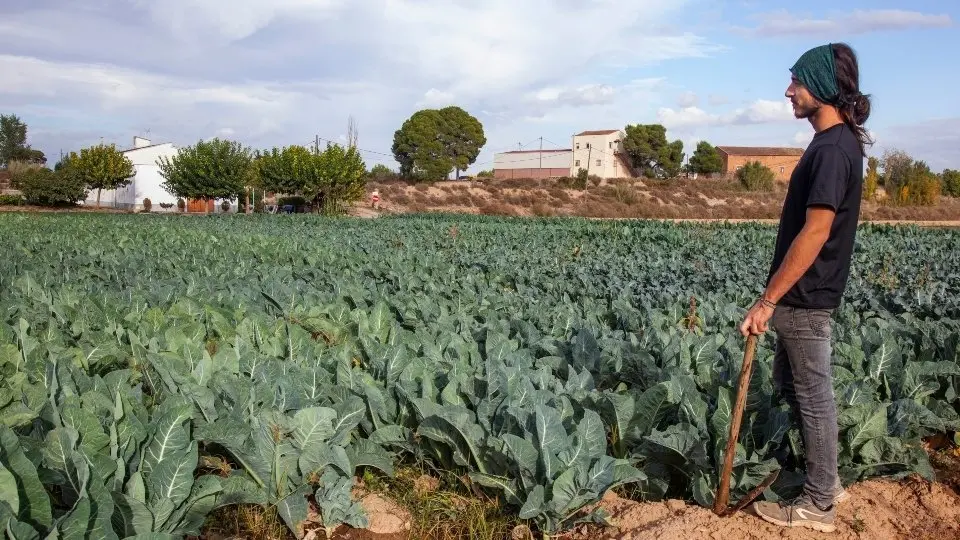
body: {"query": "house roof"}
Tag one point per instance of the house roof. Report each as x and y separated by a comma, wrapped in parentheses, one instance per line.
(142, 147)
(760, 151)
(598, 132)
(537, 151)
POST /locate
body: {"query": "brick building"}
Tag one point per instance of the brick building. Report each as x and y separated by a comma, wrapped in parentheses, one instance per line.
(781, 161)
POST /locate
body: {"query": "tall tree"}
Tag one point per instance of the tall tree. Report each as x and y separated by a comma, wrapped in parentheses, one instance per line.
(213, 169)
(951, 182)
(13, 139)
(432, 142)
(288, 170)
(463, 137)
(649, 152)
(102, 167)
(705, 159)
(342, 178)
(872, 179)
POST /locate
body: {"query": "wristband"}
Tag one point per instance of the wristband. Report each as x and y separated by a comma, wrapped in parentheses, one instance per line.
(768, 303)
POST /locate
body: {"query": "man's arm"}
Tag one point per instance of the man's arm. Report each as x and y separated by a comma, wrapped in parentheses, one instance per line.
(802, 252)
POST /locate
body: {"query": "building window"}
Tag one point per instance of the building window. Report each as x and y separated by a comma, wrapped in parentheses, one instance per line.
(781, 170)
(611, 144)
(599, 163)
(578, 146)
(588, 145)
(576, 163)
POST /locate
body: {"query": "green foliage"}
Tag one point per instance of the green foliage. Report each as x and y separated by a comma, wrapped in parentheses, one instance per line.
(13, 143)
(433, 142)
(44, 187)
(650, 153)
(755, 176)
(951, 182)
(381, 172)
(299, 353)
(213, 169)
(102, 167)
(334, 177)
(909, 182)
(872, 179)
(11, 200)
(706, 159)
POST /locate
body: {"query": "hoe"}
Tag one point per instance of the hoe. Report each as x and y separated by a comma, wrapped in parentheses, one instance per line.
(723, 492)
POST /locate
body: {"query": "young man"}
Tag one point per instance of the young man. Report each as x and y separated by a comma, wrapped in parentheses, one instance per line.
(810, 267)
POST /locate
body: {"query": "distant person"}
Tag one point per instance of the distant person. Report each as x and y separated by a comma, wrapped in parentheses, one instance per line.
(375, 199)
(810, 269)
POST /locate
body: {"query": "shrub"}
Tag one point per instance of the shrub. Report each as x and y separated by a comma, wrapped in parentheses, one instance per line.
(11, 200)
(147, 204)
(166, 205)
(916, 185)
(181, 205)
(45, 187)
(872, 180)
(225, 206)
(755, 176)
(595, 180)
(951, 182)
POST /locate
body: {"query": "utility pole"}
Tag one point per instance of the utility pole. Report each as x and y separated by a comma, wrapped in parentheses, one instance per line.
(541, 152)
(316, 144)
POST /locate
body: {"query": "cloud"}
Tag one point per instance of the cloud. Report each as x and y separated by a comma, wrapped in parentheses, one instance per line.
(781, 23)
(278, 72)
(759, 112)
(937, 142)
(688, 99)
(716, 99)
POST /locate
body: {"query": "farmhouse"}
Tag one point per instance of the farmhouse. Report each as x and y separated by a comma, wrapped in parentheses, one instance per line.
(599, 152)
(147, 182)
(780, 160)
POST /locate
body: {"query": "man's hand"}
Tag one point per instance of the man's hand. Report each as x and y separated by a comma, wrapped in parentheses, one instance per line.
(757, 320)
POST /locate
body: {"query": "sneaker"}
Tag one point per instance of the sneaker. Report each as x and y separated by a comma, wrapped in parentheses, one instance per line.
(800, 512)
(839, 494)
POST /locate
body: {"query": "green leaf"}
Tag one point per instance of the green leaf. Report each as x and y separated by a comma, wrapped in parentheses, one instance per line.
(131, 516)
(8, 489)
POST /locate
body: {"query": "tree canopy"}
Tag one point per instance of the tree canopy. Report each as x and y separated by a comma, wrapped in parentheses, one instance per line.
(706, 159)
(213, 169)
(101, 167)
(333, 177)
(649, 152)
(13, 142)
(433, 142)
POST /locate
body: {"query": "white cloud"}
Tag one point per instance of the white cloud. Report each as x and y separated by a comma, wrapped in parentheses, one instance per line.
(276, 72)
(780, 23)
(759, 112)
(803, 138)
(688, 99)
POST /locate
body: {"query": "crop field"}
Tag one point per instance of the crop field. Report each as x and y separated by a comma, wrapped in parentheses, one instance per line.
(155, 370)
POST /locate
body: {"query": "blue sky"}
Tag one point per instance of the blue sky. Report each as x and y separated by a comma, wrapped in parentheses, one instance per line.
(278, 73)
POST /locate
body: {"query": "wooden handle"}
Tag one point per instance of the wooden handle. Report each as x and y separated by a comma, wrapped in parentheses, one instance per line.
(723, 493)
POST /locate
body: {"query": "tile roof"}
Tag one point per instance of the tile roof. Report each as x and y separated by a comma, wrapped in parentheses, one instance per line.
(598, 132)
(760, 151)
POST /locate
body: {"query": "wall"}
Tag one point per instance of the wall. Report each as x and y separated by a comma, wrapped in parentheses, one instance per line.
(507, 174)
(602, 149)
(532, 164)
(782, 166)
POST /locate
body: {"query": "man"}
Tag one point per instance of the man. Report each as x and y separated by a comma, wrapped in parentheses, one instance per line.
(810, 267)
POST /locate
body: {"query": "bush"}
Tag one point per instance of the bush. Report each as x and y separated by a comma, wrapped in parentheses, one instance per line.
(181, 205)
(45, 187)
(755, 176)
(951, 182)
(147, 204)
(11, 200)
(915, 186)
(166, 205)
(225, 206)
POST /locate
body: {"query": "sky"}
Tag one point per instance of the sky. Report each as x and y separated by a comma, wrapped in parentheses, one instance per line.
(281, 72)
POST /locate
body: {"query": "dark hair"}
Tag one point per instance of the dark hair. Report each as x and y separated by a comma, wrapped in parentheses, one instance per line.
(854, 107)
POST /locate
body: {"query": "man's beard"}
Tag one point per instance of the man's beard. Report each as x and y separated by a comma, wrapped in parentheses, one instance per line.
(804, 113)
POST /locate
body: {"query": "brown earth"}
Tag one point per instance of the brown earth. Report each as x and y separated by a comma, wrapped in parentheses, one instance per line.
(877, 509)
(630, 199)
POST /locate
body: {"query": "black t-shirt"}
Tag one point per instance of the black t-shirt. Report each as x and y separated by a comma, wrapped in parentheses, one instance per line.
(829, 174)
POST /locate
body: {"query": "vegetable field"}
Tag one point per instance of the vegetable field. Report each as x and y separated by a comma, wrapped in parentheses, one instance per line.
(154, 369)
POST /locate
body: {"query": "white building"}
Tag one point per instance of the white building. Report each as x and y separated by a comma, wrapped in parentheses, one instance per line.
(601, 154)
(532, 163)
(147, 182)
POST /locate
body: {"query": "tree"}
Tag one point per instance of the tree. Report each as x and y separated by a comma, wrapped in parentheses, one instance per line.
(102, 167)
(353, 133)
(288, 170)
(214, 169)
(755, 176)
(909, 182)
(649, 152)
(951, 182)
(432, 142)
(342, 178)
(872, 180)
(45, 187)
(705, 159)
(13, 142)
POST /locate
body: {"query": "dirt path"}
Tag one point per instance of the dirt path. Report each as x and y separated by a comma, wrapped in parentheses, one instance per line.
(877, 509)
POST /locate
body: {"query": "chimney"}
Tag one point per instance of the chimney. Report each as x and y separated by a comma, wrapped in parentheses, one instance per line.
(140, 142)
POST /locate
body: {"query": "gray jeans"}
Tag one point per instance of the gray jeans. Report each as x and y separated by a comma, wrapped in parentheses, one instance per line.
(802, 373)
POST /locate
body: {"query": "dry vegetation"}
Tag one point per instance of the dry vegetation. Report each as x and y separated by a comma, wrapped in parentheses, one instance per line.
(675, 199)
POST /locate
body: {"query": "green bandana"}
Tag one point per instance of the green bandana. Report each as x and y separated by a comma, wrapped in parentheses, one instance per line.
(816, 70)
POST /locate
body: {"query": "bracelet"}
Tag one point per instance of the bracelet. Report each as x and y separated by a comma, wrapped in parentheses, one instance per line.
(768, 303)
